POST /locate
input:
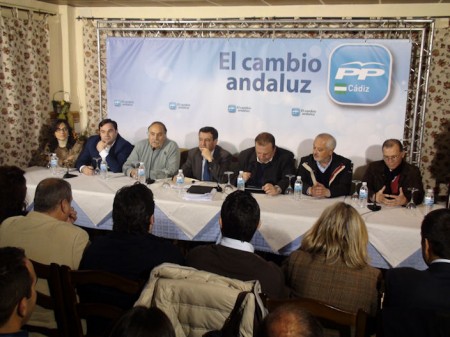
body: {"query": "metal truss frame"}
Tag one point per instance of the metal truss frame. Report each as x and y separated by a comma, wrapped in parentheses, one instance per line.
(419, 31)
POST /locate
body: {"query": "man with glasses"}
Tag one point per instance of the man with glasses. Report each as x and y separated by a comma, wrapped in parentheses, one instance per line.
(108, 145)
(390, 180)
(158, 153)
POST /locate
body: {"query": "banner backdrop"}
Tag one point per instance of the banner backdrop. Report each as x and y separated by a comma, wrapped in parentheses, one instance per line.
(294, 88)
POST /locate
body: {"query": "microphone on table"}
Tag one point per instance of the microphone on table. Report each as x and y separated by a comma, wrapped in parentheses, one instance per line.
(374, 207)
(68, 175)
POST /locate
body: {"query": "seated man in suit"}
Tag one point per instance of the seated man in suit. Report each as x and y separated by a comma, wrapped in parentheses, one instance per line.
(47, 234)
(208, 161)
(17, 291)
(325, 173)
(266, 165)
(108, 145)
(389, 179)
(417, 302)
(234, 256)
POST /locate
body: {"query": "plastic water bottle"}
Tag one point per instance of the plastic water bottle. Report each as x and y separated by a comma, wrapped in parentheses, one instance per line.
(54, 163)
(298, 188)
(240, 181)
(180, 178)
(104, 169)
(141, 173)
(363, 195)
(428, 201)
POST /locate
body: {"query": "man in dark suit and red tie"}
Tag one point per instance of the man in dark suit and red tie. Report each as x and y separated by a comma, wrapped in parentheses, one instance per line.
(324, 173)
(208, 161)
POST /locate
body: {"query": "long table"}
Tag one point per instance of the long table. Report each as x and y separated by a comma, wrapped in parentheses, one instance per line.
(394, 232)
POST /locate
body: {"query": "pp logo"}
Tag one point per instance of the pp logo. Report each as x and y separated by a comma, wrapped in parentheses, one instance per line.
(172, 106)
(295, 112)
(359, 74)
(232, 108)
(117, 102)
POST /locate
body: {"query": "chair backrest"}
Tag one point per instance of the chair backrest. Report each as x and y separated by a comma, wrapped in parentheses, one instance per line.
(53, 302)
(329, 316)
(77, 309)
(197, 302)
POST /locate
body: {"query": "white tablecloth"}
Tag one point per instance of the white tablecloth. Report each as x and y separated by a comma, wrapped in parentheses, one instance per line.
(393, 232)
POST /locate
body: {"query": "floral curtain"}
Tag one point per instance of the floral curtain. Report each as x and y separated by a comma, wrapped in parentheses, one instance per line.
(24, 79)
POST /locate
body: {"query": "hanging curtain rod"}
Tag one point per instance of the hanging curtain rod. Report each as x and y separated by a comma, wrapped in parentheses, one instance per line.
(26, 8)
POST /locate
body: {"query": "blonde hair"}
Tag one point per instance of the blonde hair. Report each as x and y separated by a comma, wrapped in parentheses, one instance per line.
(339, 233)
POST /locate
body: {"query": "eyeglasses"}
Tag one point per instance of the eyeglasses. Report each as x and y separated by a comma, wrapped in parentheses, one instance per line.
(61, 130)
(391, 158)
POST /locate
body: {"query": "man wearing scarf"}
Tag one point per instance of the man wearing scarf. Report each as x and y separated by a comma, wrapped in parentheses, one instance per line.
(390, 180)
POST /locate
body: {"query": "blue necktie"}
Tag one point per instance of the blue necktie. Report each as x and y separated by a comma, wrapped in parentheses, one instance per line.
(206, 175)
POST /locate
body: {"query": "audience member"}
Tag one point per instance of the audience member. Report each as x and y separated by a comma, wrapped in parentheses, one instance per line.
(234, 256)
(389, 179)
(130, 250)
(325, 173)
(417, 302)
(13, 192)
(332, 262)
(108, 145)
(62, 142)
(141, 321)
(208, 161)
(266, 165)
(290, 321)
(158, 153)
(17, 291)
(47, 234)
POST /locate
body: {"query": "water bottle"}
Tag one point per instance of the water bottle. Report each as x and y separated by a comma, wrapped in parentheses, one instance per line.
(141, 173)
(363, 195)
(298, 188)
(428, 201)
(240, 181)
(104, 169)
(180, 178)
(54, 163)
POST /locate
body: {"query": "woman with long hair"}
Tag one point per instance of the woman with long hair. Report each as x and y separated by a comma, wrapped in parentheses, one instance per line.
(332, 262)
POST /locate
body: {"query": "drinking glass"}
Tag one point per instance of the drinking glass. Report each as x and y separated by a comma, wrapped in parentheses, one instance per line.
(411, 204)
(228, 187)
(96, 160)
(166, 183)
(355, 195)
(289, 189)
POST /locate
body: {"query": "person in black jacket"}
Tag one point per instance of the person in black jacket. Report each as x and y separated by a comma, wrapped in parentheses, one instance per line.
(325, 173)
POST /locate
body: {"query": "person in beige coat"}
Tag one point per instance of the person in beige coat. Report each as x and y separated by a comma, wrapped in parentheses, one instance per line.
(47, 234)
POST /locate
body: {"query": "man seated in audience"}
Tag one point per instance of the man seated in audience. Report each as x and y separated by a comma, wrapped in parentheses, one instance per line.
(389, 180)
(417, 302)
(17, 291)
(324, 173)
(266, 165)
(130, 250)
(13, 192)
(234, 256)
(158, 153)
(108, 145)
(208, 161)
(290, 321)
(47, 234)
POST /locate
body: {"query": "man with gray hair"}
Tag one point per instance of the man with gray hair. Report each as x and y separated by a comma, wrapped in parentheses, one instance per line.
(324, 173)
(47, 234)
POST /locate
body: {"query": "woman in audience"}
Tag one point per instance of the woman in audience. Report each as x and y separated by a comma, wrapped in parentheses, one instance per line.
(143, 322)
(61, 142)
(13, 191)
(332, 262)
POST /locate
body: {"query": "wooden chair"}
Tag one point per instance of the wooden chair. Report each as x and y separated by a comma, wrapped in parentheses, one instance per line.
(78, 310)
(54, 301)
(329, 316)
